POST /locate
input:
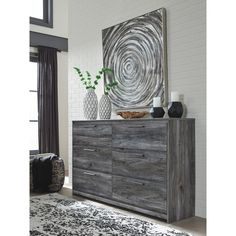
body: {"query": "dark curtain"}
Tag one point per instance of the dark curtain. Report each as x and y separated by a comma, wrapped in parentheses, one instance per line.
(48, 101)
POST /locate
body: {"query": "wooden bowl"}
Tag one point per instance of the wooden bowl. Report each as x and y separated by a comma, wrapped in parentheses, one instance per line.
(132, 114)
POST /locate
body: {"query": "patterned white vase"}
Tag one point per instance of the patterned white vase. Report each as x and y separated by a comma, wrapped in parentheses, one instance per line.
(104, 108)
(90, 105)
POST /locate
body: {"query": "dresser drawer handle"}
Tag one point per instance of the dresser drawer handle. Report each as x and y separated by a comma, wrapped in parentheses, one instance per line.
(89, 150)
(140, 155)
(135, 182)
(90, 126)
(88, 173)
(137, 126)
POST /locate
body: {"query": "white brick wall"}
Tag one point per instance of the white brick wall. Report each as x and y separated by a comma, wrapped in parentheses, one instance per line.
(186, 26)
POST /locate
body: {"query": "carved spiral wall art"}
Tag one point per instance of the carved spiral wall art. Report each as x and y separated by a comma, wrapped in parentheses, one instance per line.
(135, 50)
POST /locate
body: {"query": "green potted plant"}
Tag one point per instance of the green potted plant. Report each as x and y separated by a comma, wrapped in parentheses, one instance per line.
(90, 102)
(87, 80)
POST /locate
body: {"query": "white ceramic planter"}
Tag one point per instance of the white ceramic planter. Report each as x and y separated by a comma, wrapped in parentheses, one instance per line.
(104, 108)
(90, 105)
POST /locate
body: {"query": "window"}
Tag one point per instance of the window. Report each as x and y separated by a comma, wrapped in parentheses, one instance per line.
(41, 12)
(33, 113)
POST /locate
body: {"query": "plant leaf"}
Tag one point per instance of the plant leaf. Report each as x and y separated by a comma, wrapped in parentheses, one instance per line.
(77, 70)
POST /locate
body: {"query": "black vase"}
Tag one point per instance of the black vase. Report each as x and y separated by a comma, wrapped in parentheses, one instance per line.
(157, 112)
(175, 110)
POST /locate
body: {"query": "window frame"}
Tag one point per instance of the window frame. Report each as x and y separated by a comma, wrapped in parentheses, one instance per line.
(47, 20)
(33, 58)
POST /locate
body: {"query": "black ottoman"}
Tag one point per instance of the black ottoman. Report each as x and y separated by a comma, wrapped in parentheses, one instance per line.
(47, 173)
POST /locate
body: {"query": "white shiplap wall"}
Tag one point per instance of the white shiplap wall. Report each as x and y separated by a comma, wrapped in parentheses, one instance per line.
(186, 33)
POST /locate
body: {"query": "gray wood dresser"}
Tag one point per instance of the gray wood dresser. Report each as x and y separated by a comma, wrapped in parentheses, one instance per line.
(145, 165)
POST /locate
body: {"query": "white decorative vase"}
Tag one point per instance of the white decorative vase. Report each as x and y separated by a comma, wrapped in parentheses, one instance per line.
(90, 105)
(105, 108)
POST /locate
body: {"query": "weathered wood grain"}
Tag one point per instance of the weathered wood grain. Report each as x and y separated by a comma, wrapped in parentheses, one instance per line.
(149, 195)
(92, 182)
(92, 129)
(92, 134)
(181, 170)
(91, 141)
(140, 135)
(92, 158)
(142, 164)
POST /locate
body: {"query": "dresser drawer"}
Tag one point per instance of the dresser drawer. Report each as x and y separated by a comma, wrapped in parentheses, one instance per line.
(92, 158)
(92, 182)
(91, 141)
(138, 135)
(92, 129)
(149, 165)
(92, 134)
(141, 193)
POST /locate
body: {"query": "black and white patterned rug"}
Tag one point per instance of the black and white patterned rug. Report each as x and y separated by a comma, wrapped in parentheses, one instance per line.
(55, 214)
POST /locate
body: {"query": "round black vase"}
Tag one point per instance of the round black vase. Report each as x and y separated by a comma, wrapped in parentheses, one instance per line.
(175, 110)
(157, 112)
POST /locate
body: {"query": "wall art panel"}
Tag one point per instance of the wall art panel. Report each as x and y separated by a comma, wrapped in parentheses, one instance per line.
(136, 51)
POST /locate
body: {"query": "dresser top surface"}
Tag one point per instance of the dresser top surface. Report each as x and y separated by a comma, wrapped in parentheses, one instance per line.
(130, 120)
